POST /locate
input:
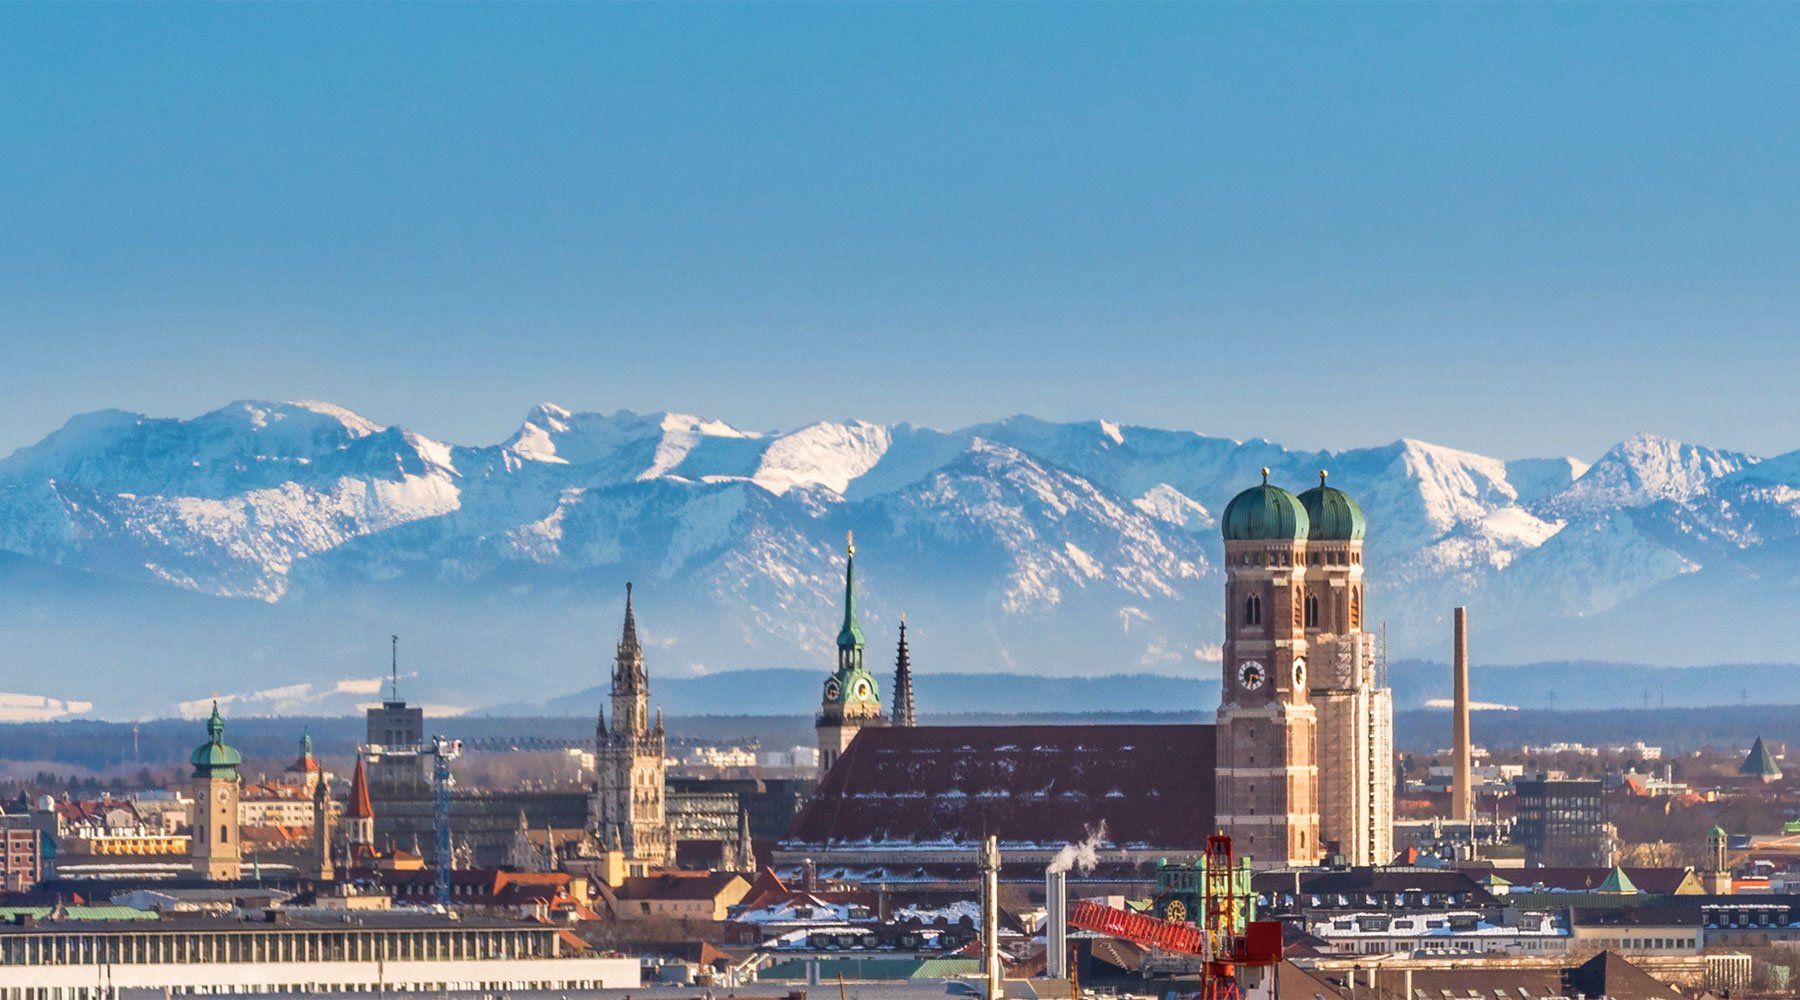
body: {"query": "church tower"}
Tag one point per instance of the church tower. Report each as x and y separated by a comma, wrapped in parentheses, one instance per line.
(324, 828)
(628, 811)
(1266, 785)
(214, 847)
(852, 700)
(1355, 708)
(1715, 870)
(359, 811)
(903, 691)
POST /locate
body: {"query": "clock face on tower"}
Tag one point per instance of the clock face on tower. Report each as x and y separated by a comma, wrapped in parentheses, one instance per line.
(1251, 675)
(831, 690)
(1299, 671)
(862, 689)
(222, 794)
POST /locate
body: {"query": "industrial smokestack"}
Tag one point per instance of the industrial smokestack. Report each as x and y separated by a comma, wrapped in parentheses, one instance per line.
(990, 917)
(1461, 794)
(1056, 924)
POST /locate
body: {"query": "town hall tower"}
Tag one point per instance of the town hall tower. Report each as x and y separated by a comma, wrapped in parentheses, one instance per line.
(628, 812)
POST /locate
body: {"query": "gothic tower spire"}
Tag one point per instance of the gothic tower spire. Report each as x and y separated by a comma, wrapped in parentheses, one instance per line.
(850, 637)
(630, 681)
(903, 688)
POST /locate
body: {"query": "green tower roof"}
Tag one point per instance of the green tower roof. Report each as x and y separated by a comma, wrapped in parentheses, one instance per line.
(213, 759)
(1760, 762)
(1264, 513)
(850, 636)
(1331, 515)
(1617, 881)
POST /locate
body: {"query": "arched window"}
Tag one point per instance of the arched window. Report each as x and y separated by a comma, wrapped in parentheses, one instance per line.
(1312, 611)
(1356, 609)
(1253, 610)
(224, 834)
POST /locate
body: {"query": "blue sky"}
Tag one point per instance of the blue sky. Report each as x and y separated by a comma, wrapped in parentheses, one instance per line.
(1520, 229)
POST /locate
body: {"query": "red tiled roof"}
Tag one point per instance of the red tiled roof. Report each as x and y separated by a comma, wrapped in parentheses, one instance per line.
(359, 806)
(768, 885)
(1037, 784)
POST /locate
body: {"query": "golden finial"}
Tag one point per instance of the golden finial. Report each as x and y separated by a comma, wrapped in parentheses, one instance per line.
(850, 541)
(1265, 471)
(1322, 475)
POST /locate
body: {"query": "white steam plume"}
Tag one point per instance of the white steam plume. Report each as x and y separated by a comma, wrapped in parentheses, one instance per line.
(1083, 856)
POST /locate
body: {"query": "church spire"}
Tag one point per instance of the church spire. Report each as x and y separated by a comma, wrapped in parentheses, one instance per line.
(630, 639)
(630, 683)
(850, 637)
(903, 690)
(629, 667)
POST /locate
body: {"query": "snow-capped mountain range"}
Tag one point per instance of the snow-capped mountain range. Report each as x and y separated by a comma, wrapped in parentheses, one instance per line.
(264, 551)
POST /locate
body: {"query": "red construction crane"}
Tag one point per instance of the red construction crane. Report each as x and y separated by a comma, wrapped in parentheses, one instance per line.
(1258, 944)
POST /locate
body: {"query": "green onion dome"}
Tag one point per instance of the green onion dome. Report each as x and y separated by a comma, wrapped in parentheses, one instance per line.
(213, 759)
(1333, 516)
(1264, 513)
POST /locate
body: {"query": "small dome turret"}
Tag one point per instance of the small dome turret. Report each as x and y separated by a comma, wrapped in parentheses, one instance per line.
(1332, 515)
(1264, 513)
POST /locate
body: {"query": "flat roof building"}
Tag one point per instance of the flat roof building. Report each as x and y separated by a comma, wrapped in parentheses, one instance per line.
(286, 951)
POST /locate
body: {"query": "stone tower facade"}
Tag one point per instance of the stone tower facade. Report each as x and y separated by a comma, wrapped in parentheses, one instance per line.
(214, 848)
(1306, 744)
(1355, 708)
(628, 812)
(324, 832)
(1266, 784)
(851, 701)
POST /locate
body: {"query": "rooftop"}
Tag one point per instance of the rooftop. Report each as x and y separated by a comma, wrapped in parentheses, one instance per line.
(1032, 786)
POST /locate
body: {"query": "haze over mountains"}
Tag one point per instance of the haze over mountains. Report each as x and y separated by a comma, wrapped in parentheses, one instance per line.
(263, 552)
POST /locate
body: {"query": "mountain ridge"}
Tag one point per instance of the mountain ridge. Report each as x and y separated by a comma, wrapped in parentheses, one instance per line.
(1071, 549)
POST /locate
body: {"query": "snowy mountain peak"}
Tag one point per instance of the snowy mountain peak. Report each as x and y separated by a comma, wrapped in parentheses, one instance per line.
(1644, 469)
(354, 424)
(824, 454)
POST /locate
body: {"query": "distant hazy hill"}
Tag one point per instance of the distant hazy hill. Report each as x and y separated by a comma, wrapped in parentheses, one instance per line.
(796, 692)
(264, 552)
(1561, 686)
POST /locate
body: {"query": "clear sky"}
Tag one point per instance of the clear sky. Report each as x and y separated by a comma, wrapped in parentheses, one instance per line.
(1520, 229)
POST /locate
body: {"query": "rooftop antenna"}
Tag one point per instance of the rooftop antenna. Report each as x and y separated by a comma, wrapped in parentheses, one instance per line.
(394, 668)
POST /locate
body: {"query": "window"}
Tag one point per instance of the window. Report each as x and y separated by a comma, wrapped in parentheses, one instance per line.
(1356, 609)
(1253, 610)
(1312, 611)
(224, 834)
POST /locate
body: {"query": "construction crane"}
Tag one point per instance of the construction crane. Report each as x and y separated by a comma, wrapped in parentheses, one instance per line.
(442, 751)
(1222, 941)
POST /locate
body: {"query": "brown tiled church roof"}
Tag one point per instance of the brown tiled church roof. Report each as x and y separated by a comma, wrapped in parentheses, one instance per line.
(359, 806)
(1046, 785)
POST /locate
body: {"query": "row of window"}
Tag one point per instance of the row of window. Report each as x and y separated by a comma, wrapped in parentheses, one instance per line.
(302, 989)
(1648, 943)
(263, 946)
(1253, 610)
(1312, 559)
